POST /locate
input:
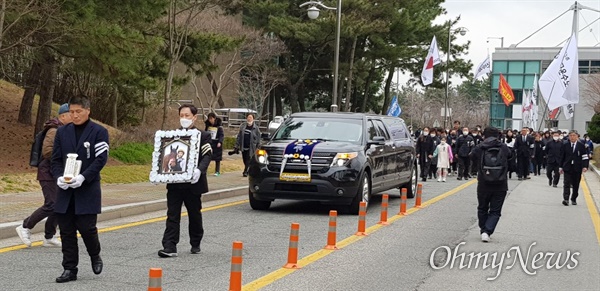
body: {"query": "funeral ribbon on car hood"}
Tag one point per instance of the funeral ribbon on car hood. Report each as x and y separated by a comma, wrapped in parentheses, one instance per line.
(299, 150)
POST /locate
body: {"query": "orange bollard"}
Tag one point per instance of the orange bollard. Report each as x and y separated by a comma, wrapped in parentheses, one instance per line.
(384, 210)
(403, 202)
(235, 278)
(155, 281)
(292, 262)
(331, 234)
(362, 219)
(419, 193)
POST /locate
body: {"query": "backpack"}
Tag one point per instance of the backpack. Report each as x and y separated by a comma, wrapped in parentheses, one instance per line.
(35, 157)
(493, 167)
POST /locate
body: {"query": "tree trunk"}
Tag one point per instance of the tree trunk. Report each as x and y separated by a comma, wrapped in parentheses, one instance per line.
(293, 90)
(31, 86)
(350, 71)
(278, 103)
(167, 94)
(302, 98)
(341, 83)
(363, 106)
(2, 14)
(144, 107)
(386, 92)
(115, 105)
(46, 90)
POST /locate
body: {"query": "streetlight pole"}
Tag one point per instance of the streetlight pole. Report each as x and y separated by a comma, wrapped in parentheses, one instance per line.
(313, 13)
(462, 31)
(501, 38)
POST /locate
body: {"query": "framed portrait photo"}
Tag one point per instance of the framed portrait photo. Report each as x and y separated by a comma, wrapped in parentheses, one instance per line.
(175, 155)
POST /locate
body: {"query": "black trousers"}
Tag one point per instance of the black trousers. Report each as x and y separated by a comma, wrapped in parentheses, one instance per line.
(523, 163)
(69, 224)
(425, 163)
(463, 167)
(572, 179)
(193, 204)
(537, 166)
(246, 158)
(49, 190)
(552, 172)
(217, 166)
(489, 209)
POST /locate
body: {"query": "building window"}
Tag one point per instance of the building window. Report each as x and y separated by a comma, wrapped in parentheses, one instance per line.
(515, 81)
(552, 123)
(516, 67)
(532, 67)
(500, 67)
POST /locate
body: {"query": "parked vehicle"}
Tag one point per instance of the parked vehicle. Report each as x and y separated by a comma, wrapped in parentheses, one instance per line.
(333, 158)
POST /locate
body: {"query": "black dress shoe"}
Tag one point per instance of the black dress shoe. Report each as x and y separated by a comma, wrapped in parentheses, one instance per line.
(565, 203)
(555, 186)
(67, 276)
(573, 202)
(459, 178)
(97, 265)
(195, 250)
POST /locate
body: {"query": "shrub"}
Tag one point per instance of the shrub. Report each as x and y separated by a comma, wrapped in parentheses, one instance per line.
(133, 153)
(594, 128)
(229, 142)
(597, 155)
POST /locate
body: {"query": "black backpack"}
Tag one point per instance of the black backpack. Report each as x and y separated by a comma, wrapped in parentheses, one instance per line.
(493, 167)
(35, 157)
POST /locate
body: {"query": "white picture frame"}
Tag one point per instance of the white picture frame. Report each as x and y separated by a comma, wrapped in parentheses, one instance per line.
(175, 155)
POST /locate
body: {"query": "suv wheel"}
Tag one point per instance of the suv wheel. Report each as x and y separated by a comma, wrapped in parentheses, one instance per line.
(363, 194)
(411, 187)
(258, 204)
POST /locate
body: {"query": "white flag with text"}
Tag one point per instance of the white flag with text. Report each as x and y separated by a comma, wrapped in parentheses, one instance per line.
(557, 79)
(484, 68)
(432, 59)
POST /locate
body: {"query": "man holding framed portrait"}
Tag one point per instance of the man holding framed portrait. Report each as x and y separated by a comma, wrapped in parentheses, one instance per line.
(179, 153)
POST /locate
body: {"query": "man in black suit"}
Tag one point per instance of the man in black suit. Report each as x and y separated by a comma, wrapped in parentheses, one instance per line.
(524, 144)
(79, 201)
(575, 161)
(553, 154)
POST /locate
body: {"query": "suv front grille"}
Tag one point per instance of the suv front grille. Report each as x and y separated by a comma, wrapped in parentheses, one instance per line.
(320, 162)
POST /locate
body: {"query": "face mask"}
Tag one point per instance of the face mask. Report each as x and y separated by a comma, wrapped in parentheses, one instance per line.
(465, 132)
(587, 139)
(185, 123)
(432, 135)
(556, 137)
(562, 136)
(425, 132)
(474, 134)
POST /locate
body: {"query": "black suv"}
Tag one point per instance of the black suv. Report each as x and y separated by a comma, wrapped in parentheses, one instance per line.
(333, 158)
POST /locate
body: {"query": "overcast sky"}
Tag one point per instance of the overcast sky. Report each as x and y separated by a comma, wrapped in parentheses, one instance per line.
(515, 20)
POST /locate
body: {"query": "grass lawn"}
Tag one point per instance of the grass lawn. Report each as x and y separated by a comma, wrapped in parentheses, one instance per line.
(122, 174)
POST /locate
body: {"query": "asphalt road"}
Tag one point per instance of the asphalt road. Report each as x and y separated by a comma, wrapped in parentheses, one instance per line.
(393, 257)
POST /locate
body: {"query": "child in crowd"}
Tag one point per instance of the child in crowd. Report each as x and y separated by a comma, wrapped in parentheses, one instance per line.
(443, 155)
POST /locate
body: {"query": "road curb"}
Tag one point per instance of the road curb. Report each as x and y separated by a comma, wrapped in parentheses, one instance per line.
(7, 230)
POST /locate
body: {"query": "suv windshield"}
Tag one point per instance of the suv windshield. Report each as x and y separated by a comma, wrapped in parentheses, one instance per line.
(347, 130)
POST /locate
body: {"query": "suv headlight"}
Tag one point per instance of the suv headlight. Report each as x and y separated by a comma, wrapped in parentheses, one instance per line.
(342, 159)
(262, 157)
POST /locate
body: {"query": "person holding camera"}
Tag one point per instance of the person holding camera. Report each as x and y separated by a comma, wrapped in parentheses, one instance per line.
(248, 139)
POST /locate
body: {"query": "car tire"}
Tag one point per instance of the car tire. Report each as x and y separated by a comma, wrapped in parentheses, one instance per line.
(411, 187)
(363, 194)
(258, 204)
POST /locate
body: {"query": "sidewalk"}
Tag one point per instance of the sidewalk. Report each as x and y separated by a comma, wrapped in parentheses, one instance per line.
(118, 200)
(536, 224)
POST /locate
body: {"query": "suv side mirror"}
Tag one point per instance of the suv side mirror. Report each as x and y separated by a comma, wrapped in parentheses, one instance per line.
(378, 140)
(265, 136)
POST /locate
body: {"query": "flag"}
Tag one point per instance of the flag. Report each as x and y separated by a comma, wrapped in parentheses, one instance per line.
(568, 111)
(553, 114)
(556, 80)
(394, 109)
(483, 68)
(505, 91)
(526, 108)
(534, 102)
(432, 59)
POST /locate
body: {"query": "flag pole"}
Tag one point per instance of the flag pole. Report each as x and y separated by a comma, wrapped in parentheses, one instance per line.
(547, 106)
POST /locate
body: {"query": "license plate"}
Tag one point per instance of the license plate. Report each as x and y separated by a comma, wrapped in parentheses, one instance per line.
(295, 177)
